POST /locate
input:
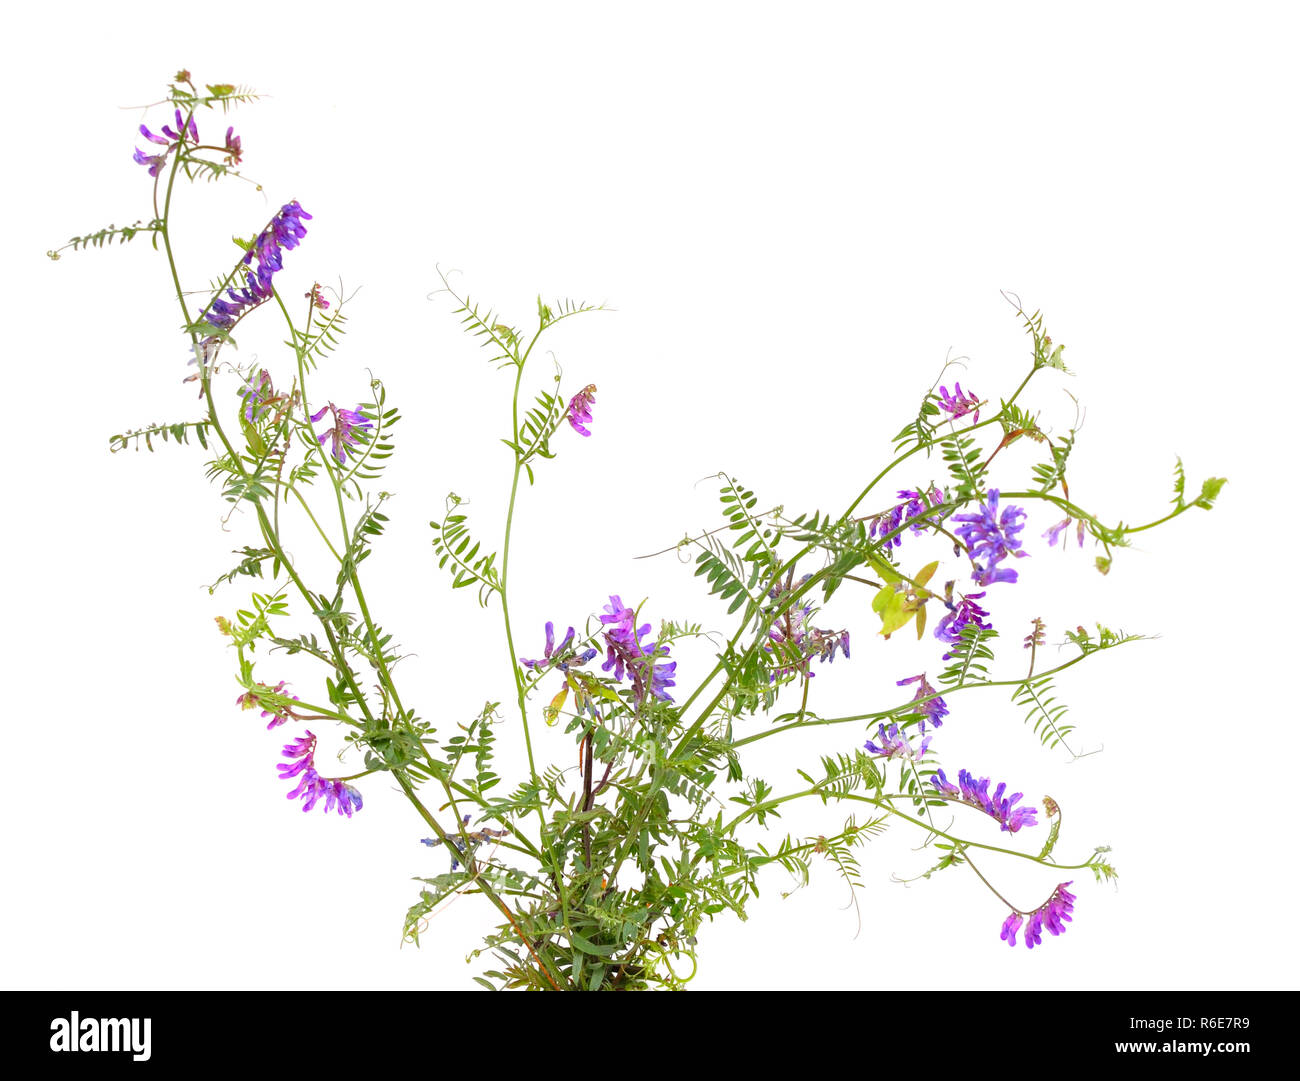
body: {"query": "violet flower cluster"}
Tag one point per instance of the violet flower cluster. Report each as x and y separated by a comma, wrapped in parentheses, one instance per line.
(976, 794)
(560, 657)
(627, 652)
(171, 140)
(791, 629)
(895, 744)
(1053, 914)
(910, 512)
(934, 710)
(961, 614)
(343, 432)
(283, 234)
(991, 537)
(313, 787)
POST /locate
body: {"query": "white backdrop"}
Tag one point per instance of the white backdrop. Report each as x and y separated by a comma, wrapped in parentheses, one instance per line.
(796, 216)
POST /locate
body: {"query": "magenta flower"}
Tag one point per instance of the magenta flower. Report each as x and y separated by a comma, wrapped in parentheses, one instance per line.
(313, 787)
(343, 432)
(234, 147)
(278, 714)
(1053, 914)
(991, 537)
(959, 404)
(579, 411)
(975, 794)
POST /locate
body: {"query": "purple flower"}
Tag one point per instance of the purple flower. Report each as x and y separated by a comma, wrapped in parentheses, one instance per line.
(170, 139)
(257, 394)
(475, 839)
(964, 612)
(1053, 914)
(804, 642)
(627, 652)
(282, 234)
(317, 301)
(157, 138)
(894, 744)
(824, 644)
(976, 794)
(910, 512)
(154, 161)
(991, 537)
(183, 128)
(579, 411)
(234, 147)
(959, 404)
(557, 657)
(1053, 534)
(935, 710)
(342, 433)
(312, 788)
(278, 714)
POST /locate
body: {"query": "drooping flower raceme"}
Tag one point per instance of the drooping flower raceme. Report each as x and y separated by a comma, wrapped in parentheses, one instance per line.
(976, 794)
(991, 537)
(283, 234)
(313, 787)
(579, 411)
(342, 433)
(1053, 914)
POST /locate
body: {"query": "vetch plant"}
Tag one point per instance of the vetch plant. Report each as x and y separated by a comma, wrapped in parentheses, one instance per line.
(601, 875)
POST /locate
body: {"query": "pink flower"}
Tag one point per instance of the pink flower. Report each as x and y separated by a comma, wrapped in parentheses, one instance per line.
(579, 412)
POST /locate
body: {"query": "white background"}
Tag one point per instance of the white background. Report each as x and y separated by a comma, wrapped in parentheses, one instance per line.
(797, 213)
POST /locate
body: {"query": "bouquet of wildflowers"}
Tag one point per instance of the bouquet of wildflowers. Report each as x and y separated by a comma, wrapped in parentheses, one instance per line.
(601, 870)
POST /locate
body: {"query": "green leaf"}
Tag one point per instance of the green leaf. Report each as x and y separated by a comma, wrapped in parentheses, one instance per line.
(587, 946)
